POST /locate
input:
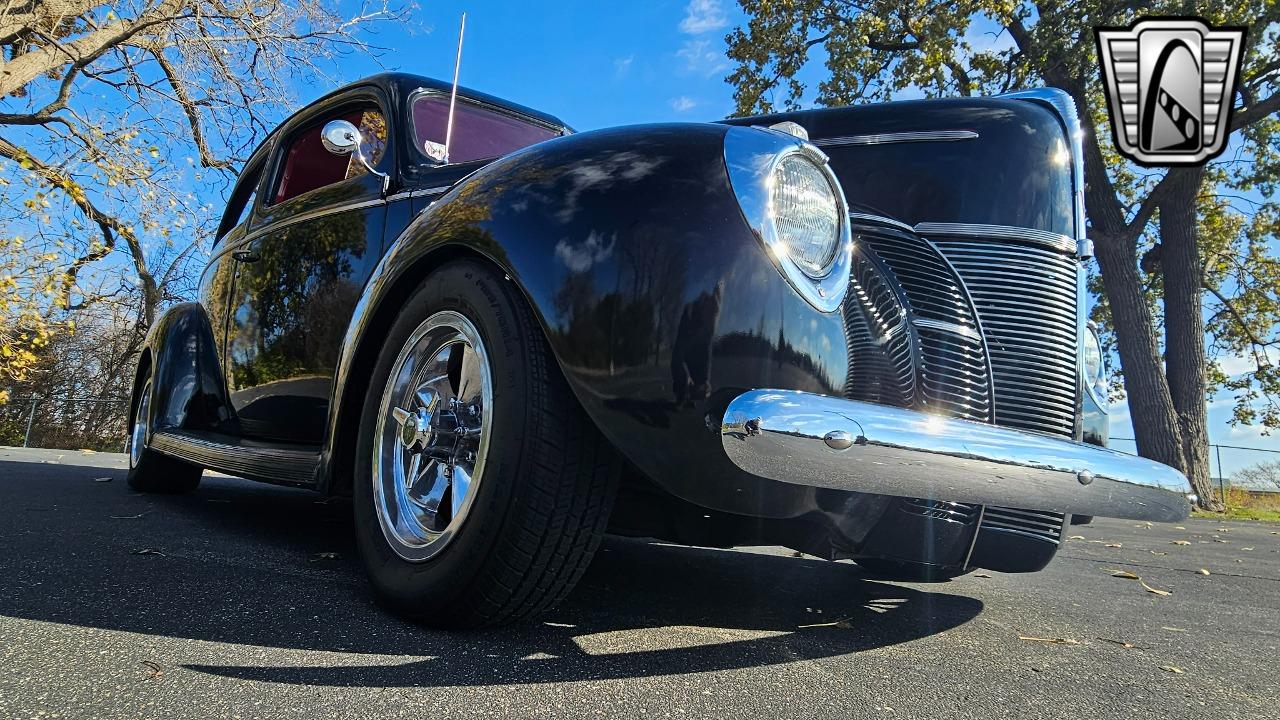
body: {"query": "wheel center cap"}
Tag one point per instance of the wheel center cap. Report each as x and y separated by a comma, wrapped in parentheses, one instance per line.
(416, 431)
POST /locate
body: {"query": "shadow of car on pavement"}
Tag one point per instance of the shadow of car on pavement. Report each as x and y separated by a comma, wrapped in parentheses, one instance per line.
(249, 564)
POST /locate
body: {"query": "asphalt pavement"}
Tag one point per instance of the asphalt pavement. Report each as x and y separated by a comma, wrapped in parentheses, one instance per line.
(244, 600)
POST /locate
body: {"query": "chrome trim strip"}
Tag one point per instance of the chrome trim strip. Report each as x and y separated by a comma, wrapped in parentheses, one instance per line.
(946, 327)
(867, 217)
(897, 137)
(308, 215)
(1061, 243)
(420, 192)
(912, 454)
(973, 541)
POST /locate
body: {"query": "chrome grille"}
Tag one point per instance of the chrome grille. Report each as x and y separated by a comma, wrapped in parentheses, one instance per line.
(876, 335)
(953, 360)
(1025, 295)
(1038, 524)
(963, 513)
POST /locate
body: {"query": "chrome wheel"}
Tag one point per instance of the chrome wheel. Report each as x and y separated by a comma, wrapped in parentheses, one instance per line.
(138, 433)
(432, 436)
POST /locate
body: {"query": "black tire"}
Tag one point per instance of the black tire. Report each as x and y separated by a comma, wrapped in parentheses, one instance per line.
(149, 471)
(548, 483)
(908, 571)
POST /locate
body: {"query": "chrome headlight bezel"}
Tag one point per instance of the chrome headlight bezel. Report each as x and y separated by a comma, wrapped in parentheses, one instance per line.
(752, 155)
(1095, 379)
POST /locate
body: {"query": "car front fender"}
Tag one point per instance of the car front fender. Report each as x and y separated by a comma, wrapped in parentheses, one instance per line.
(657, 300)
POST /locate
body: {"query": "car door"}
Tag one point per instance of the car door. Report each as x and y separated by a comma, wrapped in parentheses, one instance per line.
(311, 246)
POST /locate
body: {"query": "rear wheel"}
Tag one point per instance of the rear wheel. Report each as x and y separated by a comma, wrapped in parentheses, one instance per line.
(481, 488)
(150, 471)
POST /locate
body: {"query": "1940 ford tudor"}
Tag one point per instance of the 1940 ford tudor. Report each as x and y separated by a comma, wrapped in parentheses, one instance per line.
(505, 339)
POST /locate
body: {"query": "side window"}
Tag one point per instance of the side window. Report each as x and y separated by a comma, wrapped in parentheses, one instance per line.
(241, 202)
(478, 133)
(308, 166)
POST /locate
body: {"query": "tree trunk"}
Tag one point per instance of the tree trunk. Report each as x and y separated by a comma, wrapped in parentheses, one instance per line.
(1155, 426)
(1184, 328)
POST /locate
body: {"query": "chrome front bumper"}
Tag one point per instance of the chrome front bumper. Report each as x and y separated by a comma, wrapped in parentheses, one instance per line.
(830, 442)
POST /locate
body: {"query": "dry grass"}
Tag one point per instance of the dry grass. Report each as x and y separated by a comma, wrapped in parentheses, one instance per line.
(1244, 505)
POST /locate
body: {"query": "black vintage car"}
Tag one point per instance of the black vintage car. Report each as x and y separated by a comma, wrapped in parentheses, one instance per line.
(504, 339)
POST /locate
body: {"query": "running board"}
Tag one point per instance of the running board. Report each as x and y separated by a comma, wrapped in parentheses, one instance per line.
(236, 456)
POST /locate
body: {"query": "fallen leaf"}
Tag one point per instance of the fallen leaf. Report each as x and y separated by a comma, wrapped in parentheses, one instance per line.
(1121, 643)
(1051, 641)
(841, 624)
(1172, 669)
(1157, 552)
(146, 551)
(1181, 542)
(1076, 537)
(1224, 529)
(981, 575)
(154, 670)
(1203, 571)
(1152, 590)
(1123, 574)
(102, 479)
(87, 451)
(1113, 545)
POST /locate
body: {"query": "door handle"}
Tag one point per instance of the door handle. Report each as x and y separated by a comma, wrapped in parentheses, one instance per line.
(247, 256)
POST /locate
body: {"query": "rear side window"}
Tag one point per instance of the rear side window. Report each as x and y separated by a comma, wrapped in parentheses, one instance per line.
(309, 166)
(478, 133)
(241, 202)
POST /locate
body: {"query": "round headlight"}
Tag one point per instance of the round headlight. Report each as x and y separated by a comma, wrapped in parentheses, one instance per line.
(806, 213)
(793, 203)
(1095, 367)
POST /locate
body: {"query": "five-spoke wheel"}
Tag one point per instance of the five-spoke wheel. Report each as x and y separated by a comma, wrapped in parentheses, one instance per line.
(432, 436)
(481, 489)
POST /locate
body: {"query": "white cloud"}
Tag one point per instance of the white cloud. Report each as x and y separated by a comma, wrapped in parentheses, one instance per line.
(1236, 365)
(700, 58)
(682, 103)
(703, 16)
(622, 65)
(580, 259)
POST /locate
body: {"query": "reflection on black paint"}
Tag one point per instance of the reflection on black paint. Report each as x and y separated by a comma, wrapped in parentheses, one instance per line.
(691, 355)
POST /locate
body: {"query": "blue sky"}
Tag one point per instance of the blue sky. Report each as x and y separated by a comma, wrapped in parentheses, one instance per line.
(593, 64)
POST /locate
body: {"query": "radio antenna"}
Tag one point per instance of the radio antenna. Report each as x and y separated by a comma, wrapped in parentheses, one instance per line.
(453, 94)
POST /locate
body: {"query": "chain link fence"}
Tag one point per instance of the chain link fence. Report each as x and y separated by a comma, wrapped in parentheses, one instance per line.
(72, 423)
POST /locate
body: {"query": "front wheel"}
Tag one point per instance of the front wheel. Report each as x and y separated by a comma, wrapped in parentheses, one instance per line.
(150, 471)
(481, 488)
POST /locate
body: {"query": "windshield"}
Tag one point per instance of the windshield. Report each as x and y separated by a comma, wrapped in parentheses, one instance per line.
(478, 132)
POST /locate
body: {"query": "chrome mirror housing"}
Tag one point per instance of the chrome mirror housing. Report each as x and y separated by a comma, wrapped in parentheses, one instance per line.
(340, 137)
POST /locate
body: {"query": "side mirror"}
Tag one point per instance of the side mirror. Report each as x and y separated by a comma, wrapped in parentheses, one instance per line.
(342, 138)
